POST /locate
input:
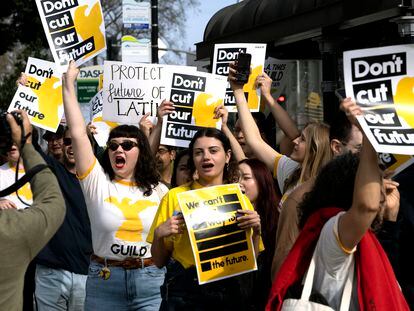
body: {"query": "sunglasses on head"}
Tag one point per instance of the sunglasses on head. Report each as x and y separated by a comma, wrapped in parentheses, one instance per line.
(67, 141)
(125, 145)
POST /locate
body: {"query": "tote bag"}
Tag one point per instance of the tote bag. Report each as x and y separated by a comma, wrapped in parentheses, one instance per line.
(303, 304)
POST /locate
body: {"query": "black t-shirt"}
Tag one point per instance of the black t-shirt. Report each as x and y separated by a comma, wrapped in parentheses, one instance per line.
(71, 246)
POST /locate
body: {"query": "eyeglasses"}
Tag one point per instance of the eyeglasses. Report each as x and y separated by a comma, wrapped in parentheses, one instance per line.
(162, 151)
(125, 145)
(67, 141)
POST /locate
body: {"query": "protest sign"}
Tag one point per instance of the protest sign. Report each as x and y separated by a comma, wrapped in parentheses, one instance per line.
(102, 127)
(41, 98)
(381, 80)
(220, 248)
(74, 29)
(195, 96)
(279, 71)
(226, 53)
(88, 82)
(395, 163)
(133, 89)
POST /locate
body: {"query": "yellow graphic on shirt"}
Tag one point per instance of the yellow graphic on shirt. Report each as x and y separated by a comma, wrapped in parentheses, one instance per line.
(49, 98)
(131, 229)
(25, 192)
(250, 88)
(203, 110)
(404, 99)
(89, 25)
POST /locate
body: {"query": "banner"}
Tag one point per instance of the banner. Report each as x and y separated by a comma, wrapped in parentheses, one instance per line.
(221, 249)
(226, 53)
(74, 29)
(41, 98)
(381, 80)
(130, 90)
(195, 96)
(102, 127)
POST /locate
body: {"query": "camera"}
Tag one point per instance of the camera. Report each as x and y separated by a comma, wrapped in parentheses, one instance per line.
(243, 68)
(5, 131)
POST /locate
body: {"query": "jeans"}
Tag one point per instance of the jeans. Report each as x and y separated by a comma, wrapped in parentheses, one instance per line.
(58, 289)
(181, 292)
(125, 290)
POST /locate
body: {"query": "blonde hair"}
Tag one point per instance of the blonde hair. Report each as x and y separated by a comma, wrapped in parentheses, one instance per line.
(317, 153)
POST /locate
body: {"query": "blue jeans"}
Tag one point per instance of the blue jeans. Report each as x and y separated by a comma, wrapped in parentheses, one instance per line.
(125, 290)
(58, 289)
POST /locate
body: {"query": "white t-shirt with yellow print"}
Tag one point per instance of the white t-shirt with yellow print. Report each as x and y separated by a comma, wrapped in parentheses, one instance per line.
(7, 178)
(120, 214)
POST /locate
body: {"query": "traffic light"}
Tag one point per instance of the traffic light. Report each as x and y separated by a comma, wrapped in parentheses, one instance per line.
(281, 100)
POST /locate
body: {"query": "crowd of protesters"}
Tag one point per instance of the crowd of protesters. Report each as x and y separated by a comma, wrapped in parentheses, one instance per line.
(122, 244)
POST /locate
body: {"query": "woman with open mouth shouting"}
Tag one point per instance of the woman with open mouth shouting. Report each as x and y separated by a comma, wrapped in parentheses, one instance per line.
(122, 195)
(210, 153)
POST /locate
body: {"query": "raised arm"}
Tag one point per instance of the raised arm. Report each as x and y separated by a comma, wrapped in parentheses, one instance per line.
(251, 132)
(221, 112)
(164, 109)
(286, 124)
(84, 156)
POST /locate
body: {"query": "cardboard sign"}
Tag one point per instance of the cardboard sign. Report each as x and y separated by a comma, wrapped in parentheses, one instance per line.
(279, 71)
(88, 82)
(226, 53)
(102, 127)
(41, 98)
(195, 96)
(221, 249)
(381, 80)
(74, 29)
(133, 89)
(395, 162)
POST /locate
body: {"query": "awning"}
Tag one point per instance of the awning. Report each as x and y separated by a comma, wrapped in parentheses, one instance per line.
(285, 22)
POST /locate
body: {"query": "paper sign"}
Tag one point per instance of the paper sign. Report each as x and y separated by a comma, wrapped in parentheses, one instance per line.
(41, 98)
(220, 248)
(102, 127)
(74, 29)
(382, 80)
(133, 89)
(279, 71)
(226, 53)
(87, 82)
(395, 162)
(195, 96)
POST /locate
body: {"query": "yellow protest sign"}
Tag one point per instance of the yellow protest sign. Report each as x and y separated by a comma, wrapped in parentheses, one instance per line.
(41, 97)
(221, 249)
(395, 163)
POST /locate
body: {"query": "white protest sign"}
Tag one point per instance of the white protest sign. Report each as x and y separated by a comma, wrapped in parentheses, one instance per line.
(41, 98)
(381, 80)
(102, 127)
(130, 90)
(195, 96)
(226, 53)
(74, 29)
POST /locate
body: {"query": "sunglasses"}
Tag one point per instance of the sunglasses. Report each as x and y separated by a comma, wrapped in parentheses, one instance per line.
(67, 141)
(125, 145)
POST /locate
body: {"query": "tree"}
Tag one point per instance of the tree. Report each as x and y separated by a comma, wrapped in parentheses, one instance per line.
(22, 34)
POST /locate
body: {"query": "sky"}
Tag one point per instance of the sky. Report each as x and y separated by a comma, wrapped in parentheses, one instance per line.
(197, 20)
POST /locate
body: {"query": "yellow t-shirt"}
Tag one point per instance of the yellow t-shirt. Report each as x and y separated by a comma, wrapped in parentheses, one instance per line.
(179, 244)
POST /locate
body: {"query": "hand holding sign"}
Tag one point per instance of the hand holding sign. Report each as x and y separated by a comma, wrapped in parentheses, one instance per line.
(71, 75)
(249, 219)
(173, 225)
(264, 82)
(165, 109)
(221, 112)
(352, 110)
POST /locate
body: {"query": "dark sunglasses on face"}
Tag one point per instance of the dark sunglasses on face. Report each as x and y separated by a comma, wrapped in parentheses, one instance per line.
(67, 141)
(126, 145)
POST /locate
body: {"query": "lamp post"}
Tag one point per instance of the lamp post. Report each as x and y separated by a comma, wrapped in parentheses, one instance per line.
(154, 31)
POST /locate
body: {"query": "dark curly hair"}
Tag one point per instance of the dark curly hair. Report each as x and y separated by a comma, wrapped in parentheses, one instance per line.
(231, 170)
(145, 174)
(333, 187)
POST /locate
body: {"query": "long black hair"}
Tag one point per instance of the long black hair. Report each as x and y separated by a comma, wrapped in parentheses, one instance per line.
(145, 173)
(230, 170)
(333, 187)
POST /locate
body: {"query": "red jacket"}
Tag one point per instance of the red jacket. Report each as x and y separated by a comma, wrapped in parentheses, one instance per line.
(378, 289)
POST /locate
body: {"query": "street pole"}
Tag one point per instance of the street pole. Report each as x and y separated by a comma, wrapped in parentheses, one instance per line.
(154, 31)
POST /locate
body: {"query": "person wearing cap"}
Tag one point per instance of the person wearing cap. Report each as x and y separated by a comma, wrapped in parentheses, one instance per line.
(55, 142)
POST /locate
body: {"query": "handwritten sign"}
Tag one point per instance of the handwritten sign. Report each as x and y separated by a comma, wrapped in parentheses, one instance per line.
(74, 29)
(221, 249)
(226, 53)
(130, 90)
(195, 96)
(41, 97)
(381, 80)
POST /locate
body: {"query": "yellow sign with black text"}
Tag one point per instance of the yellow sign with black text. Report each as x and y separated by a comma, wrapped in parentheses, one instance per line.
(221, 249)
